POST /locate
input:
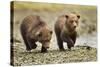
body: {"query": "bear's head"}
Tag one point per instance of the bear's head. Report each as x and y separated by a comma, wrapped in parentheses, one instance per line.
(72, 21)
(44, 36)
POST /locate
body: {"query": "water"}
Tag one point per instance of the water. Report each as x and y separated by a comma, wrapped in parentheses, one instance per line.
(87, 40)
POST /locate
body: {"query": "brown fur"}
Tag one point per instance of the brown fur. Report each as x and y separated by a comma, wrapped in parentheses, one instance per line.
(65, 29)
(33, 29)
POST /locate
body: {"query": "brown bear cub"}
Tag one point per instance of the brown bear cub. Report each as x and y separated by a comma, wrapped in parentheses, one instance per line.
(65, 30)
(33, 29)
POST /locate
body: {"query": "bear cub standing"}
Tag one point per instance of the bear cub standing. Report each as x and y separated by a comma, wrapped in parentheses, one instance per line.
(33, 29)
(65, 30)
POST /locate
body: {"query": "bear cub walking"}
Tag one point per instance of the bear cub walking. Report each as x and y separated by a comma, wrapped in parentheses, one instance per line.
(34, 29)
(65, 30)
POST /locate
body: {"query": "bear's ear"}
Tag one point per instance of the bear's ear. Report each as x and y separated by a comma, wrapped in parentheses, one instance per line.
(78, 16)
(66, 16)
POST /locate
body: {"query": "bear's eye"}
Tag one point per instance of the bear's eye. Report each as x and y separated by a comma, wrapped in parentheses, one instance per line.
(40, 34)
(76, 21)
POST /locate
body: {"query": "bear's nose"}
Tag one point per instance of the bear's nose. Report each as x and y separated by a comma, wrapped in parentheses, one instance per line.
(74, 26)
(47, 47)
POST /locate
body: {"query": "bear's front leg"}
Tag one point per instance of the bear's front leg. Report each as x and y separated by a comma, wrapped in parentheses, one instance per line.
(33, 44)
(43, 50)
(70, 43)
(73, 39)
(66, 38)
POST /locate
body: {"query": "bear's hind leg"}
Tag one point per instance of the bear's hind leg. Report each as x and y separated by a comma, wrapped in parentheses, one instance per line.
(28, 47)
(60, 44)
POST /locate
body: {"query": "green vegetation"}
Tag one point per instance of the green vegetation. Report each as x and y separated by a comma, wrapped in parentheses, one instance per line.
(78, 54)
(49, 7)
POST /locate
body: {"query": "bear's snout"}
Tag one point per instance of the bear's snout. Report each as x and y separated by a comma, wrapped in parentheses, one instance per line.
(46, 44)
(74, 27)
